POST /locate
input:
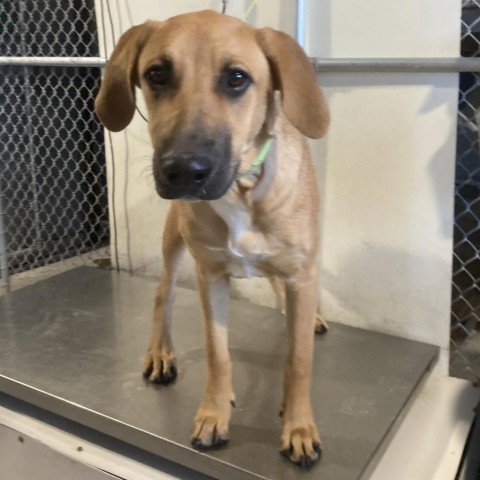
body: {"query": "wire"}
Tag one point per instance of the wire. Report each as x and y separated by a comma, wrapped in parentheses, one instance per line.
(127, 159)
(119, 15)
(249, 10)
(129, 13)
(114, 215)
(104, 34)
(110, 18)
(110, 141)
(125, 195)
(224, 6)
(140, 113)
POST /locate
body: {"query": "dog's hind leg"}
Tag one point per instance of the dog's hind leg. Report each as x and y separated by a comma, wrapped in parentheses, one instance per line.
(159, 366)
(321, 325)
(211, 424)
(278, 286)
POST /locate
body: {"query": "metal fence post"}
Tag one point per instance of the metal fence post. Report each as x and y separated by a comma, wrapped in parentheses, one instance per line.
(4, 274)
(300, 23)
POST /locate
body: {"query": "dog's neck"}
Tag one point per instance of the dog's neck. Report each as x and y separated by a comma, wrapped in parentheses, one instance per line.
(257, 164)
(252, 197)
(278, 174)
(258, 153)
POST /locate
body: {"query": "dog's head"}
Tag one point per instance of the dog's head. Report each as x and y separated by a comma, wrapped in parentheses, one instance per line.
(208, 82)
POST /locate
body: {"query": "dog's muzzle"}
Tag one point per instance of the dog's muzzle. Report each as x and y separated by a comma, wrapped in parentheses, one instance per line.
(186, 172)
(190, 177)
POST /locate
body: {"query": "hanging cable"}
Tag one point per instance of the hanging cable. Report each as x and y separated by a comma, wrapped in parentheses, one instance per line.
(129, 13)
(113, 182)
(104, 33)
(110, 18)
(112, 190)
(114, 215)
(248, 11)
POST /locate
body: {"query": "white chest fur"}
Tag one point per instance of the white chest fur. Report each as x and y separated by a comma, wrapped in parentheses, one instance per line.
(247, 247)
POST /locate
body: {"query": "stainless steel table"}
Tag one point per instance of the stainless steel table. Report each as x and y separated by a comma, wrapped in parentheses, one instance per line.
(74, 345)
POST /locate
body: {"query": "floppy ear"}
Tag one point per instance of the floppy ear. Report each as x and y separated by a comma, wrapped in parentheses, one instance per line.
(115, 102)
(302, 101)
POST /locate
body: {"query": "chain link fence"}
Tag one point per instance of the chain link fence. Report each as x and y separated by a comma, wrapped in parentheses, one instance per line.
(53, 187)
(465, 326)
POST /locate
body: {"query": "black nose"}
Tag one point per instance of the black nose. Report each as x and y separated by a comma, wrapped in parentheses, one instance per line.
(186, 170)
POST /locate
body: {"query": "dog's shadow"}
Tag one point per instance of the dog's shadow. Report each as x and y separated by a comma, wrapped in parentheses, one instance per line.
(249, 435)
(258, 385)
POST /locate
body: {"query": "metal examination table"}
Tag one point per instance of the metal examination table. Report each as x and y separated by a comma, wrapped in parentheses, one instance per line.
(74, 345)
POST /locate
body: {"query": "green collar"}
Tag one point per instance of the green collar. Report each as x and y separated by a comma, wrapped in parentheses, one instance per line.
(262, 155)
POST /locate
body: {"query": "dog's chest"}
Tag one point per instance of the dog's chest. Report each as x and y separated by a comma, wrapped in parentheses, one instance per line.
(247, 247)
(245, 253)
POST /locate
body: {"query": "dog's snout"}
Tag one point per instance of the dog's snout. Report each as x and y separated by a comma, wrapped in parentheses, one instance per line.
(194, 166)
(186, 171)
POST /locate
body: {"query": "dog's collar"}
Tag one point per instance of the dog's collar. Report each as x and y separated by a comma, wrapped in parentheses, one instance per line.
(261, 156)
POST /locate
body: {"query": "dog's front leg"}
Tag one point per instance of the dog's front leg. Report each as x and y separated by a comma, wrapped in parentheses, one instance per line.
(211, 424)
(159, 365)
(300, 440)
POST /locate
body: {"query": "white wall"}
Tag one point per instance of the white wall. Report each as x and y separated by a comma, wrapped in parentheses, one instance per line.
(385, 170)
(387, 174)
(383, 28)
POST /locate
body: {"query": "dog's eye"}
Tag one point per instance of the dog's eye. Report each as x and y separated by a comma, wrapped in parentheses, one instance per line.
(235, 81)
(160, 75)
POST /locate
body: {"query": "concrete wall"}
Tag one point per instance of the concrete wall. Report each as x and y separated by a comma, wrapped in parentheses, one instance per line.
(386, 169)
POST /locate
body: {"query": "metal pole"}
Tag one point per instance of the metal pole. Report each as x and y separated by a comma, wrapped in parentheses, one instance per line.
(300, 25)
(410, 65)
(54, 61)
(333, 65)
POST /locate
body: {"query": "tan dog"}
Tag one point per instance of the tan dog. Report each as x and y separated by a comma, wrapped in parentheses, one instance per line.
(209, 82)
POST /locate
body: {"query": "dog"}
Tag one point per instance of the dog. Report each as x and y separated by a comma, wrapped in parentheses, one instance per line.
(229, 109)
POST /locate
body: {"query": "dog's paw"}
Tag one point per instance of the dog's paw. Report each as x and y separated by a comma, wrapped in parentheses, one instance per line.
(210, 430)
(321, 325)
(301, 444)
(160, 367)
